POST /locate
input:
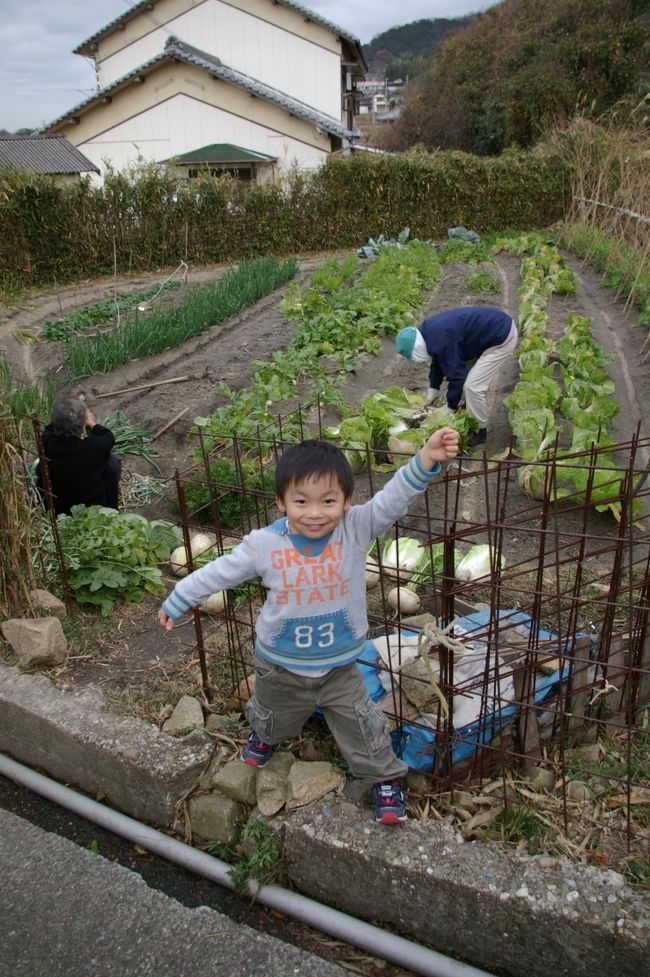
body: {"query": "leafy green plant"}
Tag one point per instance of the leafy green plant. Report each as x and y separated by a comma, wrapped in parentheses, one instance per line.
(392, 423)
(111, 556)
(26, 397)
(333, 273)
(232, 504)
(465, 251)
(263, 862)
(129, 440)
(93, 315)
(336, 329)
(520, 823)
(483, 281)
(162, 329)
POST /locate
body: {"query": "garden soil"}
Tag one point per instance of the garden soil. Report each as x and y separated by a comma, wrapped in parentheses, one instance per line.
(140, 669)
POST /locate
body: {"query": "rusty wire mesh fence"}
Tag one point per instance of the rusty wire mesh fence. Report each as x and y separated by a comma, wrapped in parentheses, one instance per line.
(526, 686)
(537, 670)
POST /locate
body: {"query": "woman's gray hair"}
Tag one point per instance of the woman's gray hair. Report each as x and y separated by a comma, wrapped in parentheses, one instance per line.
(69, 416)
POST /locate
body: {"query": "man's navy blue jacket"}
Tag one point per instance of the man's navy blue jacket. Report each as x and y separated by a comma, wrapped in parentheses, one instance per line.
(456, 337)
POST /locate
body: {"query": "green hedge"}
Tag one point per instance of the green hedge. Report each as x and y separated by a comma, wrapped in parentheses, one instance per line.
(143, 219)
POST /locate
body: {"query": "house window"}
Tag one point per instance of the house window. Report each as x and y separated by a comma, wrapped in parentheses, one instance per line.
(245, 174)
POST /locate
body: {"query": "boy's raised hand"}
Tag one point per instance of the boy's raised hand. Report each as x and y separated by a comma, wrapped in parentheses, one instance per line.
(443, 445)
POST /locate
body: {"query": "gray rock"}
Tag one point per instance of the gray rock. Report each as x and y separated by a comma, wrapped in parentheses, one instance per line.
(308, 782)
(219, 757)
(49, 603)
(578, 792)
(187, 715)
(215, 817)
(272, 783)
(415, 683)
(36, 640)
(463, 798)
(217, 722)
(418, 781)
(541, 777)
(589, 753)
(236, 780)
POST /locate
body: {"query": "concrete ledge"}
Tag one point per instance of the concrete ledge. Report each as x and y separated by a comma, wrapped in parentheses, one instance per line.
(508, 913)
(75, 738)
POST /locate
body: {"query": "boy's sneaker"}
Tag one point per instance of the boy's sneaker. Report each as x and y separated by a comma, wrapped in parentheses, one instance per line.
(390, 802)
(257, 753)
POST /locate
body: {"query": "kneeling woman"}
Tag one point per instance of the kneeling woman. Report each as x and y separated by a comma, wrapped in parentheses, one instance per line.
(81, 467)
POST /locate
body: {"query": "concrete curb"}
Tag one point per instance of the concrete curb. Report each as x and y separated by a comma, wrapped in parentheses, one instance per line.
(75, 738)
(517, 915)
(509, 913)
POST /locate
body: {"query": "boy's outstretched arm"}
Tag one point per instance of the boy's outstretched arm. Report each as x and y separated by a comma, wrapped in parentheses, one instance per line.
(443, 445)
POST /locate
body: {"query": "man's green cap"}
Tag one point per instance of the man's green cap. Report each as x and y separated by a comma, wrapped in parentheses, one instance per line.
(405, 341)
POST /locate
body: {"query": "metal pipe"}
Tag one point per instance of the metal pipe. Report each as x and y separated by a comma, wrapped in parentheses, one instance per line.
(378, 942)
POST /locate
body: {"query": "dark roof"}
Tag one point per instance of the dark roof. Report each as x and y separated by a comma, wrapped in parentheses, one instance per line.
(43, 154)
(175, 50)
(145, 5)
(222, 152)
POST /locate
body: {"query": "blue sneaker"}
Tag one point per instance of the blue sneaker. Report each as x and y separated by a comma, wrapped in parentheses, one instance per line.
(257, 753)
(390, 802)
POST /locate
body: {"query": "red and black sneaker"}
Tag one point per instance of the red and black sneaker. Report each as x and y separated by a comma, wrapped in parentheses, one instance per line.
(257, 753)
(390, 802)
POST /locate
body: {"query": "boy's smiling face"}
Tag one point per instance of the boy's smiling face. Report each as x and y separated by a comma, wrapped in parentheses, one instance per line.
(314, 507)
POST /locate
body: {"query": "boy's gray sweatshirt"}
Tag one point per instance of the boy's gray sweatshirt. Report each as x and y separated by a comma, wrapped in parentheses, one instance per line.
(314, 616)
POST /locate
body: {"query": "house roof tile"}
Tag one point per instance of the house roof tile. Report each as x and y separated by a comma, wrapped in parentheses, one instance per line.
(223, 152)
(43, 154)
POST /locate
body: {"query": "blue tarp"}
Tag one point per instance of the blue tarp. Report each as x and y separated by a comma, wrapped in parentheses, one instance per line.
(417, 745)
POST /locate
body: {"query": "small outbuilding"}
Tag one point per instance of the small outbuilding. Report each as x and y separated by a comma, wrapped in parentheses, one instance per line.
(53, 155)
(220, 158)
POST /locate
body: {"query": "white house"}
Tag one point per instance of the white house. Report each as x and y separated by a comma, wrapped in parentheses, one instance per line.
(261, 84)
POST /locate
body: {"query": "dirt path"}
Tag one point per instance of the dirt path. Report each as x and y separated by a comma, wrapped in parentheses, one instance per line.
(224, 353)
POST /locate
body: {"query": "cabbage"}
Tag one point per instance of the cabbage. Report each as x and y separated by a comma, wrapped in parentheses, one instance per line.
(477, 563)
(402, 557)
(357, 459)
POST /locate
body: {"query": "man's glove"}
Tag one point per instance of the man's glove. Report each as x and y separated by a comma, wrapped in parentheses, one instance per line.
(432, 393)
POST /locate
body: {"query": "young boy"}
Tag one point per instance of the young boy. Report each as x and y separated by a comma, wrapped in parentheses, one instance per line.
(314, 621)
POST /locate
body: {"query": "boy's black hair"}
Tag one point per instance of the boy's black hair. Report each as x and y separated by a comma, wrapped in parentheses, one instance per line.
(313, 459)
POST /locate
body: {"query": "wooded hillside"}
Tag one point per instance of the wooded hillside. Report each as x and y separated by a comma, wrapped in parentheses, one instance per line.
(408, 50)
(523, 66)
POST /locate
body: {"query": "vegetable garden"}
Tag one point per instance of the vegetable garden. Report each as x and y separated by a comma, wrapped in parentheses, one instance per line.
(546, 524)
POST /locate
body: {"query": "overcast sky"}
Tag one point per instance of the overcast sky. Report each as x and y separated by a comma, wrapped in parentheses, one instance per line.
(40, 78)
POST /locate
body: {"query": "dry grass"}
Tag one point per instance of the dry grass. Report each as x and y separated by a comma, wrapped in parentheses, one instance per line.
(587, 823)
(16, 576)
(611, 196)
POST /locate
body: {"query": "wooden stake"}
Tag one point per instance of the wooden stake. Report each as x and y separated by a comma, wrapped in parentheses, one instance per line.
(168, 424)
(142, 386)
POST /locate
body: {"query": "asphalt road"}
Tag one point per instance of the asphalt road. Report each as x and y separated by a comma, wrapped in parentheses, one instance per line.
(78, 901)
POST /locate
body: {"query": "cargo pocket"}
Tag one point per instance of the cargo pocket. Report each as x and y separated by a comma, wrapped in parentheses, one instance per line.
(373, 725)
(263, 670)
(261, 719)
